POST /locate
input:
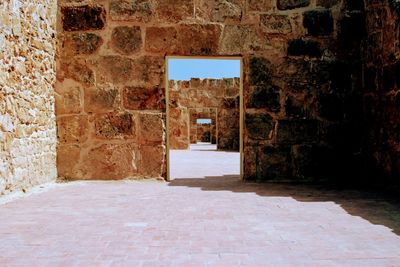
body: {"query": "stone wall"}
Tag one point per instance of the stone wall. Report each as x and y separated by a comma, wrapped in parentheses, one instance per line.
(204, 133)
(382, 92)
(208, 98)
(320, 86)
(196, 130)
(27, 74)
(111, 99)
(302, 81)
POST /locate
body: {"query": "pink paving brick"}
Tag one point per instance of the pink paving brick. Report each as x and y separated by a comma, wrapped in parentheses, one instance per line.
(200, 218)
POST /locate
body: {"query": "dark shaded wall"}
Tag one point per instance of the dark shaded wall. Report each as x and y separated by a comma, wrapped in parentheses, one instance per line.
(381, 92)
(304, 111)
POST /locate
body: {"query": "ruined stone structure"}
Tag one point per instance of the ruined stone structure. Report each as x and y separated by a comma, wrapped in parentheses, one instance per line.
(204, 133)
(217, 100)
(196, 130)
(27, 75)
(321, 80)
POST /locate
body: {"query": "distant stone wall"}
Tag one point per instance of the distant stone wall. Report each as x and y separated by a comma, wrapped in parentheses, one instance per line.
(196, 129)
(27, 75)
(207, 98)
(204, 133)
(197, 113)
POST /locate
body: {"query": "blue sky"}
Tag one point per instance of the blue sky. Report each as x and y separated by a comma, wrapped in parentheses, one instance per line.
(184, 69)
(204, 121)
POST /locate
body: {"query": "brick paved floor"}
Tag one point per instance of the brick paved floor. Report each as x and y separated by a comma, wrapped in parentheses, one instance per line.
(199, 221)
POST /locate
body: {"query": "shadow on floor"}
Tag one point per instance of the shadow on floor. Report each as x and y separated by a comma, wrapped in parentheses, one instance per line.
(376, 207)
(214, 150)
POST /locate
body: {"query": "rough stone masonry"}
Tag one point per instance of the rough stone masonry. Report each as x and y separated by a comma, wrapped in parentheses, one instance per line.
(27, 75)
(216, 99)
(303, 83)
(111, 83)
(320, 86)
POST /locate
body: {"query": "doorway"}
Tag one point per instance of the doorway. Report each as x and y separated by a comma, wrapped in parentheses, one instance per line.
(204, 115)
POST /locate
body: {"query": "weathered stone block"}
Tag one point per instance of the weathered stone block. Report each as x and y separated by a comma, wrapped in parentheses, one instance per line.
(273, 163)
(68, 157)
(318, 22)
(293, 68)
(239, 39)
(126, 40)
(266, 96)
(72, 129)
(83, 18)
(79, 71)
(313, 162)
(259, 126)
(103, 98)
(337, 74)
(138, 98)
(113, 125)
(152, 161)
(220, 10)
(276, 23)
(195, 82)
(116, 69)
(110, 161)
(199, 39)
(231, 91)
(227, 118)
(82, 43)
(151, 128)
(69, 101)
(174, 10)
(132, 10)
(178, 127)
(297, 131)
(162, 39)
(230, 103)
(301, 47)
(260, 71)
(228, 139)
(296, 108)
(149, 70)
(260, 5)
(292, 4)
(250, 163)
(327, 3)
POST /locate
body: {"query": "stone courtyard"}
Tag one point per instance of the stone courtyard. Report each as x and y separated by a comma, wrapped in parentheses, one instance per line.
(206, 218)
(303, 165)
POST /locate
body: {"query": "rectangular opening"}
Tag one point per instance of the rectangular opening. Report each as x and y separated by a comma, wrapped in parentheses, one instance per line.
(204, 121)
(209, 116)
